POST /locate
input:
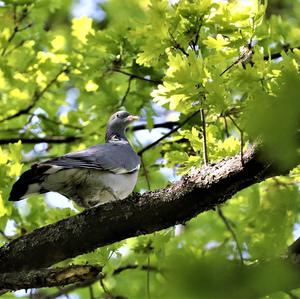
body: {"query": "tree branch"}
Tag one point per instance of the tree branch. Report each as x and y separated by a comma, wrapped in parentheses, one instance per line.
(45, 118)
(130, 267)
(278, 55)
(266, 57)
(134, 76)
(241, 134)
(195, 193)
(204, 142)
(16, 28)
(122, 101)
(167, 125)
(168, 134)
(47, 277)
(232, 232)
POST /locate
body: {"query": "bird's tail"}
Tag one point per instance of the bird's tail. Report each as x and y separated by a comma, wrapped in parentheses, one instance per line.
(29, 182)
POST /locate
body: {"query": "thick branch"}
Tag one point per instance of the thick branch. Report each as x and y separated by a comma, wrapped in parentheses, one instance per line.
(47, 277)
(195, 193)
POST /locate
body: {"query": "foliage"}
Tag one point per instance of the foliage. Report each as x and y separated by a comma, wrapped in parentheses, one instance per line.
(64, 76)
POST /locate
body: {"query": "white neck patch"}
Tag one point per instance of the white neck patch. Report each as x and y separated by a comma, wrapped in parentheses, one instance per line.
(115, 139)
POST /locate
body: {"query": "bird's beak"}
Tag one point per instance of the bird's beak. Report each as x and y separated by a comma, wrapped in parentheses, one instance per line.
(132, 118)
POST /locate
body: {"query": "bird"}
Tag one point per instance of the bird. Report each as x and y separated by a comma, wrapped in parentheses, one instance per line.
(90, 177)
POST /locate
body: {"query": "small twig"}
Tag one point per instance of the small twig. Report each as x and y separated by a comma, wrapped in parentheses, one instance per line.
(230, 66)
(129, 267)
(167, 125)
(15, 14)
(16, 29)
(25, 27)
(193, 43)
(278, 55)
(126, 92)
(137, 76)
(204, 144)
(145, 173)
(226, 127)
(104, 288)
(180, 48)
(177, 46)
(242, 147)
(232, 232)
(9, 41)
(242, 138)
(198, 31)
(25, 13)
(37, 95)
(21, 43)
(245, 56)
(108, 258)
(91, 292)
(57, 122)
(168, 134)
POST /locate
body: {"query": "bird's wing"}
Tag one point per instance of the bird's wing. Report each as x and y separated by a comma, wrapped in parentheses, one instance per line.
(114, 157)
(117, 158)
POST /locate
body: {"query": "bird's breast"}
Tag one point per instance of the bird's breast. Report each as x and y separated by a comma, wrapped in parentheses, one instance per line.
(120, 184)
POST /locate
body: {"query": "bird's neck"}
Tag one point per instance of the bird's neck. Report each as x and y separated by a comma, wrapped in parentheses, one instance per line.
(112, 136)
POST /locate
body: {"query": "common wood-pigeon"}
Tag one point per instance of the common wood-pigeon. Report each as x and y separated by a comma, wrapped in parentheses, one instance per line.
(98, 174)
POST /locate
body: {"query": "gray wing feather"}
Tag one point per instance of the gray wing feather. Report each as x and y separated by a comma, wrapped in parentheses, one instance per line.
(114, 157)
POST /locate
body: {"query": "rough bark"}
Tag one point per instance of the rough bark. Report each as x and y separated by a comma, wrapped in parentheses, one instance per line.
(47, 277)
(195, 193)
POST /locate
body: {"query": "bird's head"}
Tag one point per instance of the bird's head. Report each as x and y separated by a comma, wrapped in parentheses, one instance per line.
(117, 124)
